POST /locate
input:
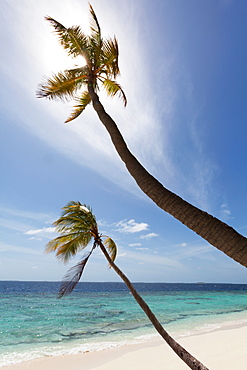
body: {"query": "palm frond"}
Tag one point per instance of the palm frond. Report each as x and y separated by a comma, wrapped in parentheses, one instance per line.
(113, 88)
(54, 244)
(95, 40)
(110, 57)
(66, 246)
(76, 210)
(73, 40)
(72, 277)
(74, 218)
(78, 72)
(94, 24)
(111, 248)
(101, 57)
(82, 102)
(72, 206)
(63, 85)
(77, 227)
(73, 223)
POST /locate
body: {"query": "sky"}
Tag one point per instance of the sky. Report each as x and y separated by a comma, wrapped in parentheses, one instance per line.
(183, 70)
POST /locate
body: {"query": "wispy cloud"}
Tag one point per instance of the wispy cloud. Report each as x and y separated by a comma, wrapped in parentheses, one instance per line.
(135, 245)
(20, 221)
(225, 212)
(14, 225)
(14, 212)
(138, 122)
(87, 131)
(148, 236)
(153, 259)
(41, 55)
(10, 248)
(191, 251)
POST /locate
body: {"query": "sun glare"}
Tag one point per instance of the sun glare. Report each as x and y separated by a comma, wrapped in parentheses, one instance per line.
(56, 59)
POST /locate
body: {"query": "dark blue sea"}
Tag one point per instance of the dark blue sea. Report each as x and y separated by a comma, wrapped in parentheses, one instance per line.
(35, 323)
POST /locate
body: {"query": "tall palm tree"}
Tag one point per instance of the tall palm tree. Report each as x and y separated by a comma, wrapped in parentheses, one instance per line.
(78, 227)
(101, 57)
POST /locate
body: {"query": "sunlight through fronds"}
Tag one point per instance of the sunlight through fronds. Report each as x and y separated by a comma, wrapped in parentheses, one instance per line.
(101, 57)
(72, 39)
(110, 48)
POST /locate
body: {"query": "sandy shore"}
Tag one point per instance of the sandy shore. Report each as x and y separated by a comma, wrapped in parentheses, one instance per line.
(218, 350)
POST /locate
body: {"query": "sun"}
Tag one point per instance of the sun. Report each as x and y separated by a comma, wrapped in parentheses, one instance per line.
(55, 58)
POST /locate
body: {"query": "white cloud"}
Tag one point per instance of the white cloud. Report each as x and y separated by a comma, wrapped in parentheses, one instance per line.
(131, 226)
(45, 232)
(142, 249)
(135, 245)
(182, 245)
(41, 231)
(225, 212)
(223, 205)
(148, 236)
(122, 255)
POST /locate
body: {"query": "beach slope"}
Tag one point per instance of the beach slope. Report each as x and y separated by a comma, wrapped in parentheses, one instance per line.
(223, 349)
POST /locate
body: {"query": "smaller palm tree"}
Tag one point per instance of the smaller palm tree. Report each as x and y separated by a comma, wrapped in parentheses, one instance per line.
(78, 227)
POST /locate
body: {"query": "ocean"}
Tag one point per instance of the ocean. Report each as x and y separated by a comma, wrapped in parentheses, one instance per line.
(35, 323)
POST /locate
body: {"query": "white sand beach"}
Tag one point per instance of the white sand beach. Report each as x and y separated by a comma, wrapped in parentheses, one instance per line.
(224, 349)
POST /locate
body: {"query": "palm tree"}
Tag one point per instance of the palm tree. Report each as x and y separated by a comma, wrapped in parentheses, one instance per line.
(78, 227)
(101, 57)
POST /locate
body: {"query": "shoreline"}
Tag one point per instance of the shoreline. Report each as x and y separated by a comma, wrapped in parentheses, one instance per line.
(223, 348)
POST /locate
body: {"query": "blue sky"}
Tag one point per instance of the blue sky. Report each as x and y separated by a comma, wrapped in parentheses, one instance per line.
(183, 69)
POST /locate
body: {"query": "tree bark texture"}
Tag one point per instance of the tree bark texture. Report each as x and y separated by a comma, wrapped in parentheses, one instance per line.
(210, 228)
(183, 354)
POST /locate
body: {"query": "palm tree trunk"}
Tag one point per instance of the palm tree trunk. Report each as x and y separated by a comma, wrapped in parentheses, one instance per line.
(216, 232)
(190, 360)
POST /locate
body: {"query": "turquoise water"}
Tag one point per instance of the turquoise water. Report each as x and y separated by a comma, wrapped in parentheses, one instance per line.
(34, 323)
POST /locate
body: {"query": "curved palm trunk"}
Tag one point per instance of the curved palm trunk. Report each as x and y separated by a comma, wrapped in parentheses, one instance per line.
(190, 360)
(216, 232)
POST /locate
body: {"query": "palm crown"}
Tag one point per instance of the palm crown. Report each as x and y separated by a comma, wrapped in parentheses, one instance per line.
(101, 57)
(77, 226)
